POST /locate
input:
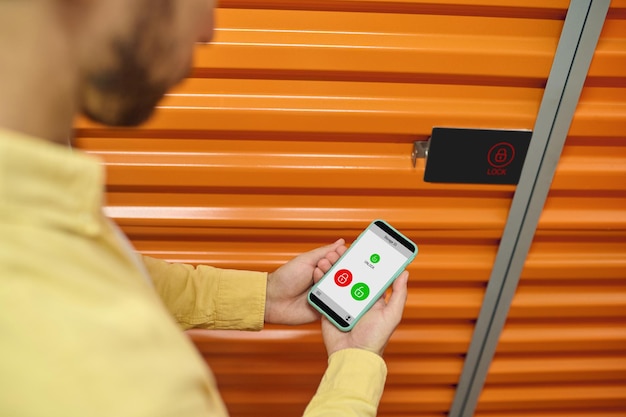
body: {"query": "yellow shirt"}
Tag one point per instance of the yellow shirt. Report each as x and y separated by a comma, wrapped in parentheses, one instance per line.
(88, 328)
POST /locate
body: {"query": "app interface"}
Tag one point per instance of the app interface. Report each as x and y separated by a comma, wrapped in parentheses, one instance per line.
(351, 283)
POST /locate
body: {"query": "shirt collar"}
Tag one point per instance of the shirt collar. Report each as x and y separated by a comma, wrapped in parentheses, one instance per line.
(48, 184)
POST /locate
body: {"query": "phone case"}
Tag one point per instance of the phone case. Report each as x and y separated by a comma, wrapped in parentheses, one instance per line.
(377, 295)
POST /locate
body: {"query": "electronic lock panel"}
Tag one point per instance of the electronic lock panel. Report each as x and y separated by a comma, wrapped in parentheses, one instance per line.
(474, 156)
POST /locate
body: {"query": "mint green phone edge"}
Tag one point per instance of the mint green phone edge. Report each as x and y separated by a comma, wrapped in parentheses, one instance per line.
(320, 306)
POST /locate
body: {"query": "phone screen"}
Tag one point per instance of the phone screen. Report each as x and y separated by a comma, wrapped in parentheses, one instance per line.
(364, 272)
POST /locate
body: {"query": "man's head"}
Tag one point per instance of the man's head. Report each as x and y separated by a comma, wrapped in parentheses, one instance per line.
(130, 52)
(111, 60)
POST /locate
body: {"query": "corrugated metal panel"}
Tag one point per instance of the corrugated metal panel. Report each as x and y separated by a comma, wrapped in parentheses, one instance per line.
(563, 349)
(295, 128)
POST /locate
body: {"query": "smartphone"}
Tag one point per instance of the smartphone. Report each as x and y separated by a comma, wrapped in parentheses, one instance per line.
(361, 276)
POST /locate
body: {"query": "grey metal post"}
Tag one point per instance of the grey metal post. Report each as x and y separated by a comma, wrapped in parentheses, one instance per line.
(581, 31)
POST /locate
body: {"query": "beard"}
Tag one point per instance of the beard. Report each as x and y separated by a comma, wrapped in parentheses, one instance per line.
(126, 93)
(123, 95)
(129, 103)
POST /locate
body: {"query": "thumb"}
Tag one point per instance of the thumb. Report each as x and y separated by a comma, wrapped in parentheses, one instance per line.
(397, 300)
(316, 255)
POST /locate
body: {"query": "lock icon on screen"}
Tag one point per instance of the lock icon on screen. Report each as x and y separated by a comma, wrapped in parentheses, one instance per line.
(501, 156)
(343, 278)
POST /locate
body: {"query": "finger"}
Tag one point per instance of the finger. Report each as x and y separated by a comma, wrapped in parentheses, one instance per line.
(332, 257)
(315, 255)
(324, 264)
(317, 275)
(399, 294)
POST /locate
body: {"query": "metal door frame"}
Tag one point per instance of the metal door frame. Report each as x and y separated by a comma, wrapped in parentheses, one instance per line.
(577, 45)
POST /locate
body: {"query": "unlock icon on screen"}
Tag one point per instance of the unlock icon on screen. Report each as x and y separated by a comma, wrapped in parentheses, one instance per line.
(360, 291)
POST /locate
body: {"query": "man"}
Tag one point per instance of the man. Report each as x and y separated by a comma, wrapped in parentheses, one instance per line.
(83, 328)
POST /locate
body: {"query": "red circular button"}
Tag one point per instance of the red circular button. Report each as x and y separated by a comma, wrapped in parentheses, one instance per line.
(343, 277)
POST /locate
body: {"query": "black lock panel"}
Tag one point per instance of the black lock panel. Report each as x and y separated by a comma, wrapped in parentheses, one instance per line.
(476, 156)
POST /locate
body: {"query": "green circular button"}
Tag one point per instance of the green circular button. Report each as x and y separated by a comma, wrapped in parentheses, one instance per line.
(375, 258)
(360, 291)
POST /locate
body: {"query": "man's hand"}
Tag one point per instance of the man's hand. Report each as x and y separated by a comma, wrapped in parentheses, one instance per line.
(373, 330)
(287, 287)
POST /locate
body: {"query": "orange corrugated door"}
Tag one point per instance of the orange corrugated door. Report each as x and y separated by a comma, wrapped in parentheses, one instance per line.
(563, 349)
(296, 127)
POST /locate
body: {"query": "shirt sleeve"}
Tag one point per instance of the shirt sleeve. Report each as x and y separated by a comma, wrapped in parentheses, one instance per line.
(351, 387)
(210, 298)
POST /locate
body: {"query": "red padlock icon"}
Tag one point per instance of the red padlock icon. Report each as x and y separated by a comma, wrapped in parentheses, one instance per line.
(343, 277)
(501, 156)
